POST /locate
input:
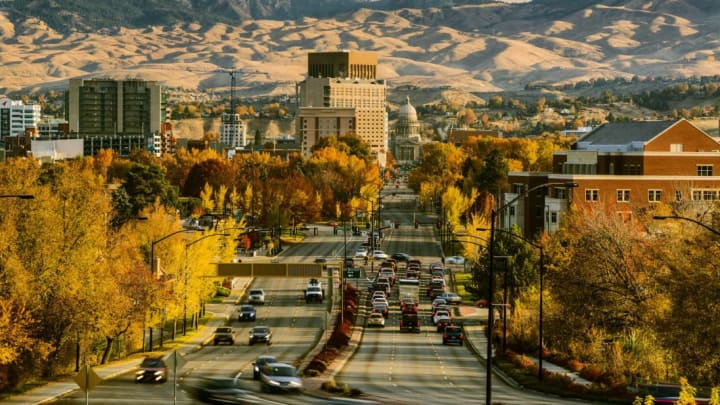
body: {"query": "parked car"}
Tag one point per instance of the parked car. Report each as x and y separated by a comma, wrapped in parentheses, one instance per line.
(260, 334)
(455, 260)
(247, 313)
(260, 362)
(451, 298)
(152, 369)
(280, 377)
(256, 296)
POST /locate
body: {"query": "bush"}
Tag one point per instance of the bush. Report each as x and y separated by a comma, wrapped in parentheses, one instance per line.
(222, 292)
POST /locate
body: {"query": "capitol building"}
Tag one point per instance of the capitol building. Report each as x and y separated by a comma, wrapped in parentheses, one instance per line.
(405, 142)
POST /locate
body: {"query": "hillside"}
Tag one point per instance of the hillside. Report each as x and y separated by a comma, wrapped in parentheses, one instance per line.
(482, 48)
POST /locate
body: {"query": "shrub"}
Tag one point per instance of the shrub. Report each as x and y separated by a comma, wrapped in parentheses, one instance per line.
(591, 372)
(575, 365)
(222, 292)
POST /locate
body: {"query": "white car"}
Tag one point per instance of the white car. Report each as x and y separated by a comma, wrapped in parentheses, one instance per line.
(256, 296)
(441, 316)
(455, 260)
(376, 320)
(361, 253)
(379, 300)
(380, 255)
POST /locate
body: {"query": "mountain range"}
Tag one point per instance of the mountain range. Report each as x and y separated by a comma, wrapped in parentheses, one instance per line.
(474, 46)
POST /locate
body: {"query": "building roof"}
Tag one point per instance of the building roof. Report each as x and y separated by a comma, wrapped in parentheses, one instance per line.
(623, 133)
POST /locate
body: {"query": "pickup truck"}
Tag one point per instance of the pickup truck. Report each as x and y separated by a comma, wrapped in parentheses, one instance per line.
(314, 292)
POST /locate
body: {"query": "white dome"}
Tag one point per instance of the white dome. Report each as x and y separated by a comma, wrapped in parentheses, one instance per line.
(407, 111)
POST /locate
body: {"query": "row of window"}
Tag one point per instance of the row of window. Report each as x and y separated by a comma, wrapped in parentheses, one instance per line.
(654, 195)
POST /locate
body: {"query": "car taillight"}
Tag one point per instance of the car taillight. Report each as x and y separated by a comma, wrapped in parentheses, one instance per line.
(461, 336)
(445, 336)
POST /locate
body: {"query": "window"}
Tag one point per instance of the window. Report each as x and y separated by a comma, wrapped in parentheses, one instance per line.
(676, 147)
(592, 194)
(705, 195)
(511, 210)
(704, 170)
(654, 195)
(678, 195)
(553, 217)
(623, 195)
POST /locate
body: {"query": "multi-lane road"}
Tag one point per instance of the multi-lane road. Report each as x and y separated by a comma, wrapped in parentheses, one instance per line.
(388, 365)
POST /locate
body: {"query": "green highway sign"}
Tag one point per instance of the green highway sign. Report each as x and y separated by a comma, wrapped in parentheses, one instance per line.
(351, 273)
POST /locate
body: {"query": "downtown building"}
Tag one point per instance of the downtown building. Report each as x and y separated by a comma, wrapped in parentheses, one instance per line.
(342, 96)
(16, 117)
(624, 167)
(122, 115)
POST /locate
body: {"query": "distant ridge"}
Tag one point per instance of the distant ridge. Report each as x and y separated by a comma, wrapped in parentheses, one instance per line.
(469, 45)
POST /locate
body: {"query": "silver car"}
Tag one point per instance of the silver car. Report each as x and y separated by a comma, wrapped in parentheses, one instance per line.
(280, 377)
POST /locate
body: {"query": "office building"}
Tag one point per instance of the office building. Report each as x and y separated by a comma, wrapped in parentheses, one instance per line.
(625, 167)
(116, 114)
(233, 131)
(15, 117)
(342, 96)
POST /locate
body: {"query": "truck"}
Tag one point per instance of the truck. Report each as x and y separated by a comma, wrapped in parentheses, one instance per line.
(409, 288)
(314, 291)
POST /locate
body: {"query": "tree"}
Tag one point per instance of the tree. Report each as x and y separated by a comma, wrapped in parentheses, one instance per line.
(144, 184)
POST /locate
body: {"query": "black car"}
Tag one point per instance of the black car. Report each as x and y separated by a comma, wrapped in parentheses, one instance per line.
(453, 334)
(260, 334)
(247, 313)
(260, 362)
(222, 390)
(401, 257)
(152, 369)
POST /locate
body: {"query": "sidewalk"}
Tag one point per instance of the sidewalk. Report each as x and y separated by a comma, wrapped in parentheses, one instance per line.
(475, 320)
(194, 342)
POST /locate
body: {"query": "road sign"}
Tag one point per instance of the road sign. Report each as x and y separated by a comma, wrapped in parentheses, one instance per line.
(351, 273)
(87, 379)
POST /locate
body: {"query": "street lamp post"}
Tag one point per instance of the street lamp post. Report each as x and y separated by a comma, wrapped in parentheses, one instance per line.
(152, 265)
(187, 246)
(493, 218)
(663, 217)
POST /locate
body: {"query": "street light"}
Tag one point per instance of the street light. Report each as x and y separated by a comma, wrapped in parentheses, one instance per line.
(155, 242)
(187, 246)
(663, 217)
(491, 252)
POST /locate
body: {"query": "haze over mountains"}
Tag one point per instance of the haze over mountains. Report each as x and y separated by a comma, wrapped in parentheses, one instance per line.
(471, 45)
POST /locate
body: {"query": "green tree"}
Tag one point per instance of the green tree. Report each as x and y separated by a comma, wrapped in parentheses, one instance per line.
(145, 183)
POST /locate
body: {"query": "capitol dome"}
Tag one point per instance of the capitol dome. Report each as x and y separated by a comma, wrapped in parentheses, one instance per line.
(407, 111)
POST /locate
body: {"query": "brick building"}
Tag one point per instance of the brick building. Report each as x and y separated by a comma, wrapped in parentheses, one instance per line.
(625, 166)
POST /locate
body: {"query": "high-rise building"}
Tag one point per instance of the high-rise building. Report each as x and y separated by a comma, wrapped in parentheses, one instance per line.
(115, 114)
(15, 117)
(342, 96)
(233, 131)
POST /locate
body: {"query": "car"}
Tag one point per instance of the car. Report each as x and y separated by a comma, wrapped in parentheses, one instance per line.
(438, 301)
(380, 300)
(280, 377)
(222, 390)
(378, 294)
(247, 313)
(381, 308)
(260, 334)
(451, 298)
(376, 320)
(453, 334)
(401, 257)
(361, 253)
(152, 369)
(260, 362)
(256, 296)
(455, 260)
(379, 255)
(440, 316)
(224, 334)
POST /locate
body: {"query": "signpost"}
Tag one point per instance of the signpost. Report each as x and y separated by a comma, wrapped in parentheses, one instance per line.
(350, 272)
(87, 380)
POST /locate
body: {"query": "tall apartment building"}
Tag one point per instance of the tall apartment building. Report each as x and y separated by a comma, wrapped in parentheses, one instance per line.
(15, 117)
(116, 114)
(233, 131)
(341, 96)
(624, 167)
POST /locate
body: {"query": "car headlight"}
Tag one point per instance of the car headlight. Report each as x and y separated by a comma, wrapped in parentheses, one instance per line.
(273, 382)
(295, 384)
(159, 372)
